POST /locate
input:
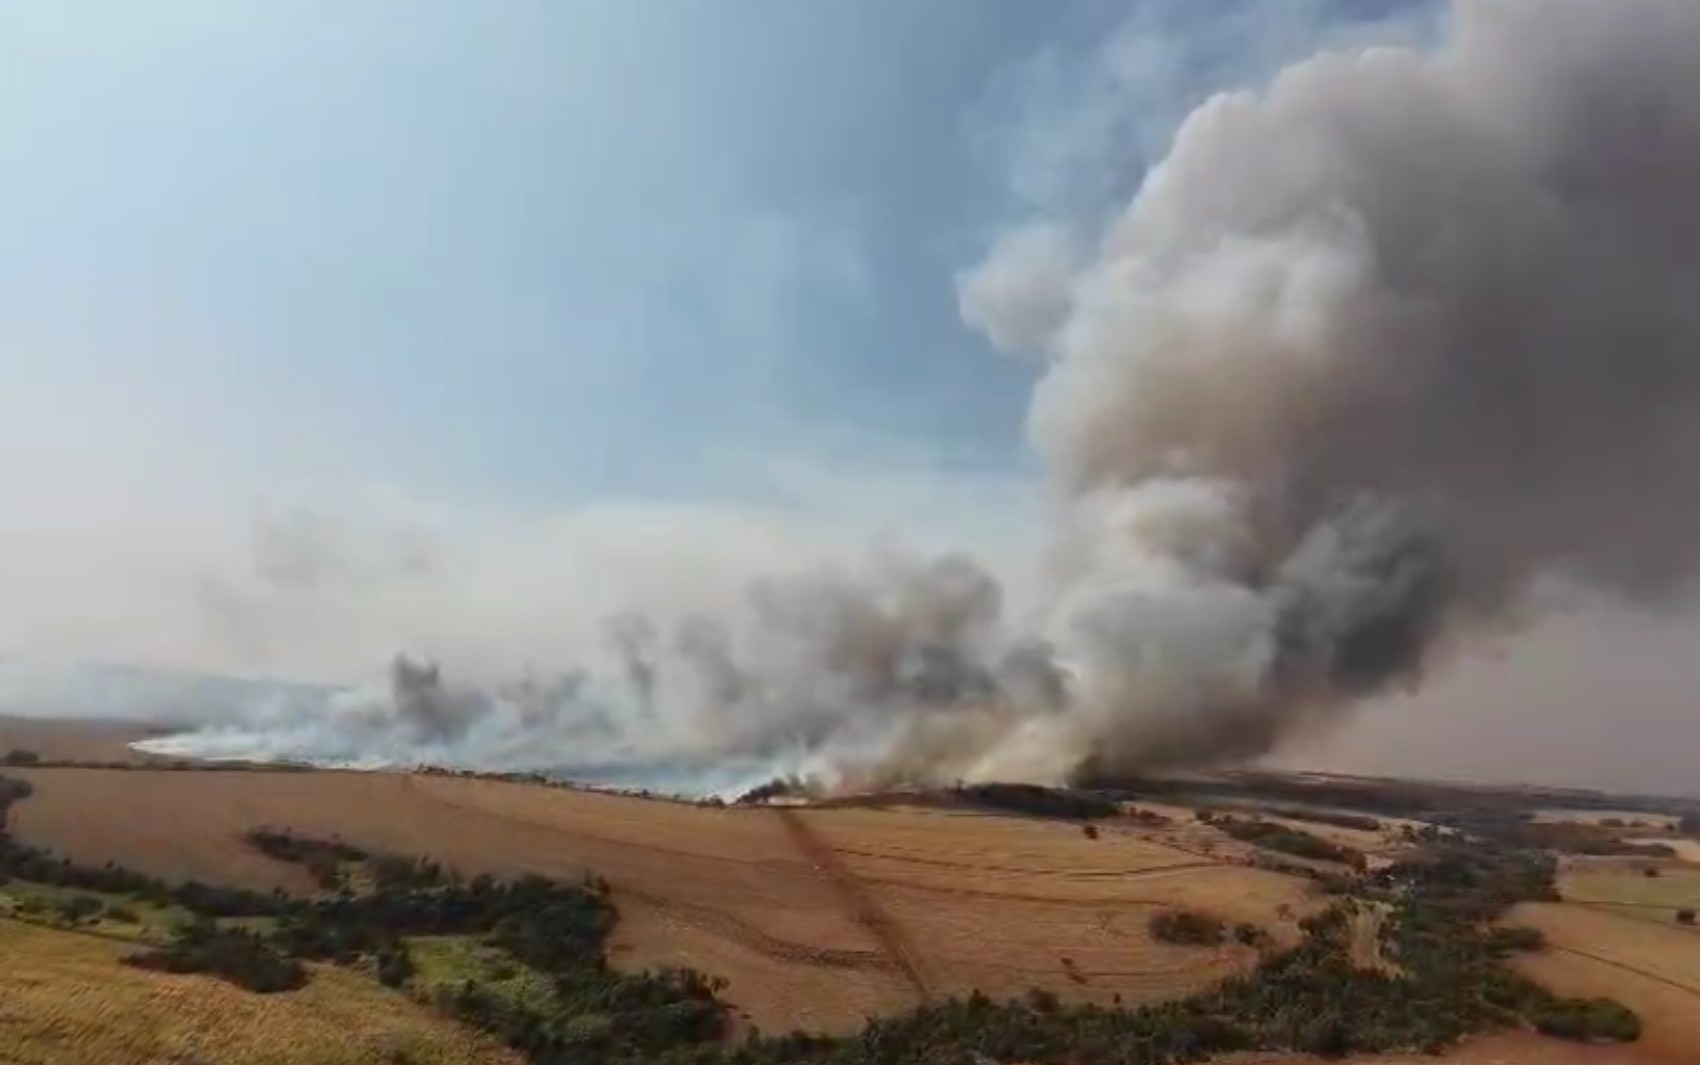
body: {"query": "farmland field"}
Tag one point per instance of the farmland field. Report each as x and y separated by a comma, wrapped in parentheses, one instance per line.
(66, 1000)
(816, 918)
(70, 740)
(1625, 890)
(1654, 970)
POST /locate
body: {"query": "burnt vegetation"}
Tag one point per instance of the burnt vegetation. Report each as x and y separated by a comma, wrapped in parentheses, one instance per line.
(1449, 977)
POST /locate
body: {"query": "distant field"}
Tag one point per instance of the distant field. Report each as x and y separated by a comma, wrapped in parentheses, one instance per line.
(1625, 890)
(66, 1000)
(73, 741)
(1654, 970)
(817, 918)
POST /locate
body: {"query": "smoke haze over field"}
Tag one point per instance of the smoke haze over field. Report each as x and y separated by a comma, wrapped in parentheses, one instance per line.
(1374, 354)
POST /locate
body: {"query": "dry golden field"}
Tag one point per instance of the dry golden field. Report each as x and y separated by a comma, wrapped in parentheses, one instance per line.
(1625, 889)
(817, 918)
(1653, 969)
(73, 741)
(66, 1000)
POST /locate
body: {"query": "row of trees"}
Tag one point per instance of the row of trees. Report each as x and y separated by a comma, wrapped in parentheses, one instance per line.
(1278, 837)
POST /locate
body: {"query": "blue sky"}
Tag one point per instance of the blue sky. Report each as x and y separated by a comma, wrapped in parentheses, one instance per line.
(546, 251)
(527, 250)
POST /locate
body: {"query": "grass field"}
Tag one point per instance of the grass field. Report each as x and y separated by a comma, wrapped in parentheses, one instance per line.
(816, 918)
(66, 1000)
(1654, 970)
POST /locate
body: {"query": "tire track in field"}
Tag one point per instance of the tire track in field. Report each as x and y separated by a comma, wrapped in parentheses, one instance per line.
(1062, 874)
(861, 905)
(1049, 871)
(724, 926)
(1677, 985)
(717, 923)
(1016, 896)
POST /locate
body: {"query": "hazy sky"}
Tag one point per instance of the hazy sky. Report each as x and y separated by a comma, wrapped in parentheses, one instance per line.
(539, 252)
(624, 270)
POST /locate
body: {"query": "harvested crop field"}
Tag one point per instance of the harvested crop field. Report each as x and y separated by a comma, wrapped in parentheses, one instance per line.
(66, 1000)
(1625, 889)
(1654, 970)
(817, 918)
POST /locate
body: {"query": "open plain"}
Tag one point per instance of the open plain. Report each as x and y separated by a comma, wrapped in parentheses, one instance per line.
(816, 918)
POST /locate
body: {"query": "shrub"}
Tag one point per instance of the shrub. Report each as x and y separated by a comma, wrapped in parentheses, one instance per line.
(1250, 935)
(1509, 940)
(1187, 927)
(20, 757)
(74, 909)
(395, 965)
(1588, 1020)
(234, 955)
(1685, 917)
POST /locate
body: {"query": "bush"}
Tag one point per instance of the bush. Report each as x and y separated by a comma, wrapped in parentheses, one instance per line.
(1503, 941)
(1685, 917)
(1588, 1020)
(1187, 927)
(19, 757)
(1250, 935)
(74, 909)
(233, 955)
(395, 965)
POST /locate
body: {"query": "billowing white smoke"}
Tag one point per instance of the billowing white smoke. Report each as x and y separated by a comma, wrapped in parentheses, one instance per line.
(1367, 353)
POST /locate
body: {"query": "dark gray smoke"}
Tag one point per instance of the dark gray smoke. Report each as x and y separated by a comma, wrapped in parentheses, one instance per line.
(1369, 353)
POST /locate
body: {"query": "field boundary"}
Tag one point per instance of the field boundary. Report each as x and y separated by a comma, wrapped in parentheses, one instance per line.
(862, 906)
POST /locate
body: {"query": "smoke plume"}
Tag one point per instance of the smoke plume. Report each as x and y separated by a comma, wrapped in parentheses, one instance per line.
(1369, 353)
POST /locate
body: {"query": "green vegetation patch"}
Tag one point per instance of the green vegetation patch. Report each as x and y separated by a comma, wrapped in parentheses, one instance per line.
(107, 913)
(442, 964)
